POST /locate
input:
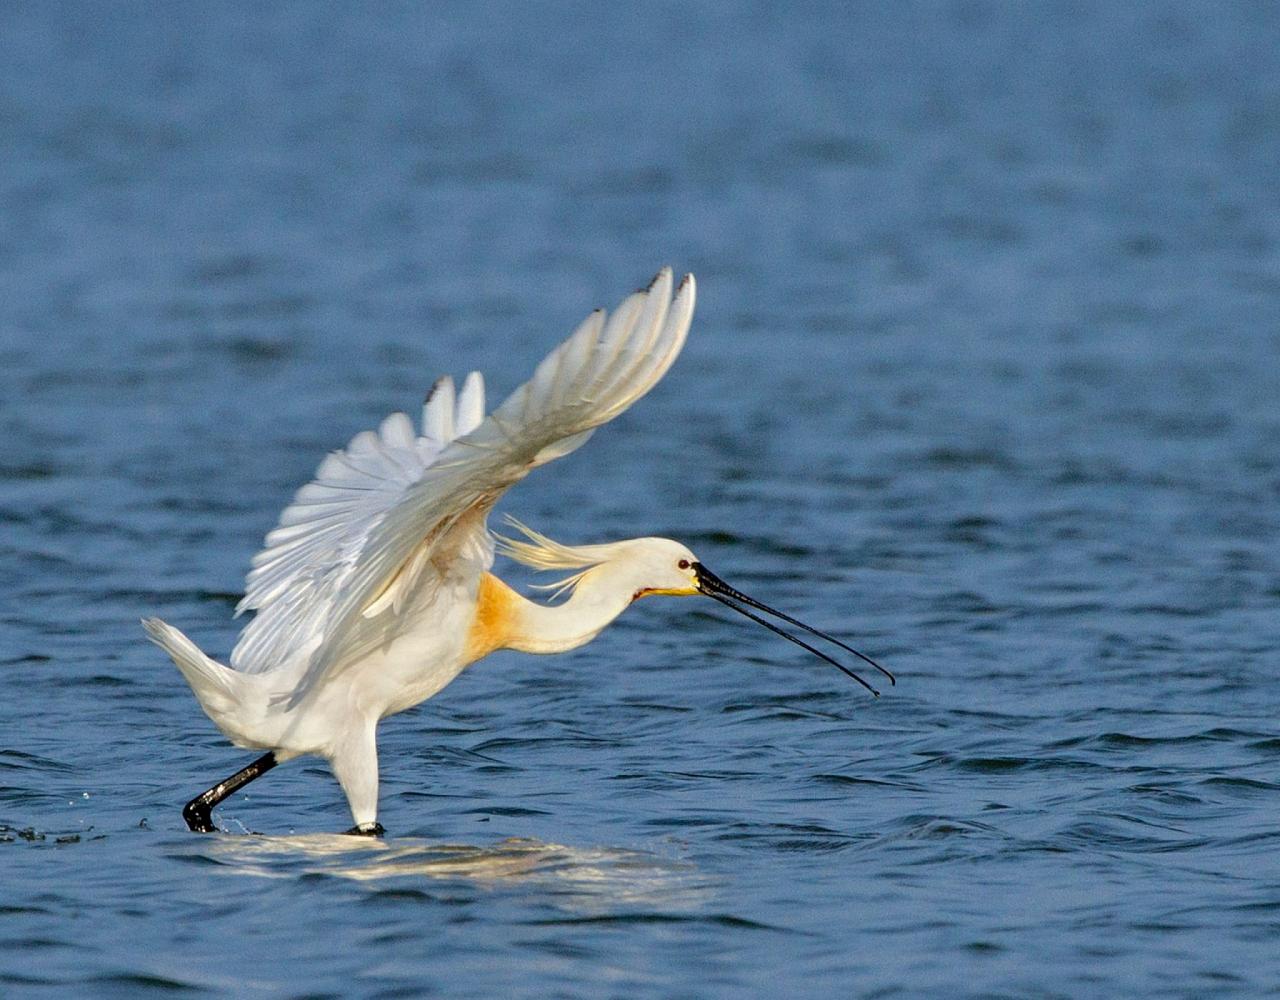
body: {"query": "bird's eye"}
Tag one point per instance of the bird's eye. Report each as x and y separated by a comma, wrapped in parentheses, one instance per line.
(683, 564)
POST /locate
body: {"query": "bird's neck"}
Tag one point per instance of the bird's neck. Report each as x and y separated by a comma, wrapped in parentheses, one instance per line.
(505, 620)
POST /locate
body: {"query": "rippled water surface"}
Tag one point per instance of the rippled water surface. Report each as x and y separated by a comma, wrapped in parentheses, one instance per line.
(984, 376)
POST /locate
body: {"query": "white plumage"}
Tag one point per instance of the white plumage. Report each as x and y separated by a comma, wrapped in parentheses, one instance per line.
(323, 531)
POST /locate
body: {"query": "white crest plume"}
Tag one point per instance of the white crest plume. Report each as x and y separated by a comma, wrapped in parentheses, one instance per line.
(543, 553)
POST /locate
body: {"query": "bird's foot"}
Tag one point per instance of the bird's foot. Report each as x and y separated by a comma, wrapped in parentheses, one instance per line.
(199, 817)
(366, 830)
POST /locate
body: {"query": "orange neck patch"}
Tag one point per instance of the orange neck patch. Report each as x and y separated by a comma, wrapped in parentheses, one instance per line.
(497, 608)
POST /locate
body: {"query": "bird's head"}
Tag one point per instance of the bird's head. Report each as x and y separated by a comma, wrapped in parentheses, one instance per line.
(661, 566)
(667, 567)
(642, 567)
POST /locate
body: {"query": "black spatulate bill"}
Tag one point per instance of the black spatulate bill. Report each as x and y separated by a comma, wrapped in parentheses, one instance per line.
(714, 587)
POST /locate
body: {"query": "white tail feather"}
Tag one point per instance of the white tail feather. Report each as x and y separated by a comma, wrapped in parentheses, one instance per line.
(216, 687)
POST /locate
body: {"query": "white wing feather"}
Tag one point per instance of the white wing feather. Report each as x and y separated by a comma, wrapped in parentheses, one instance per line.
(356, 541)
(322, 531)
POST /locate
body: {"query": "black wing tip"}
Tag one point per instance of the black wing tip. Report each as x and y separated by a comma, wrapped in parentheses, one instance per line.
(665, 269)
(435, 387)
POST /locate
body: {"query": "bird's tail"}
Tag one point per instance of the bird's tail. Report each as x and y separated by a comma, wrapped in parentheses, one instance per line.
(216, 687)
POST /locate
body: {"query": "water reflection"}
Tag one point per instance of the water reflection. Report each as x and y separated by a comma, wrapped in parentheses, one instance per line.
(592, 879)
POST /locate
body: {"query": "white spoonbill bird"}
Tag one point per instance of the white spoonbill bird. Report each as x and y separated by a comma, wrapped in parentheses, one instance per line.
(375, 591)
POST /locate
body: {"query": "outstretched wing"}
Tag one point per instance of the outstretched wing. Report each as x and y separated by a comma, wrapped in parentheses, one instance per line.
(320, 534)
(349, 604)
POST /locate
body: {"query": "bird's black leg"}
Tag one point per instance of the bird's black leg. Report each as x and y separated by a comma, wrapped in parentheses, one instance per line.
(199, 811)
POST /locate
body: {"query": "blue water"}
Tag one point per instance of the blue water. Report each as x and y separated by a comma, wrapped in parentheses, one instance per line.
(984, 377)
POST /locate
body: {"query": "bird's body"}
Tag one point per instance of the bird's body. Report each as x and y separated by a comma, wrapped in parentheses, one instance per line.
(375, 590)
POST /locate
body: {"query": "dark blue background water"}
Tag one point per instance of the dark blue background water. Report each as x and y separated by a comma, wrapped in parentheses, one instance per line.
(984, 374)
